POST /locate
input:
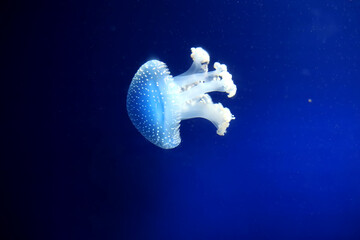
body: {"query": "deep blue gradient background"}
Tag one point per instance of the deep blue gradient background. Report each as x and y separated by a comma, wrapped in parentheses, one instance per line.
(74, 167)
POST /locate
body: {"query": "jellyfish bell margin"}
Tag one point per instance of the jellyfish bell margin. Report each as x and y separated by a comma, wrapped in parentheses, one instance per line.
(157, 102)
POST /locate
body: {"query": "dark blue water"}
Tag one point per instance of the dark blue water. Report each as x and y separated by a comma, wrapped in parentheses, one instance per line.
(74, 166)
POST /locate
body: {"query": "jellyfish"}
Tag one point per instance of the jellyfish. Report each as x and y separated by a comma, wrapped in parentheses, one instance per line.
(157, 102)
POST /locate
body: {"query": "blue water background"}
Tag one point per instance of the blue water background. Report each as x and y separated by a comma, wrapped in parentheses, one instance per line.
(288, 167)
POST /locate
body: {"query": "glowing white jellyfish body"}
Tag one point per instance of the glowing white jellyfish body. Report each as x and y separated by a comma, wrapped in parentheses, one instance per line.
(157, 102)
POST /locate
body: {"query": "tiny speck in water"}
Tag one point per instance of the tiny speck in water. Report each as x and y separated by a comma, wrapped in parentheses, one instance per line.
(310, 100)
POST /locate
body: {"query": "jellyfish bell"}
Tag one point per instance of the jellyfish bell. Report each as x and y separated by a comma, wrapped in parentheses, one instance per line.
(157, 102)
(152, 104)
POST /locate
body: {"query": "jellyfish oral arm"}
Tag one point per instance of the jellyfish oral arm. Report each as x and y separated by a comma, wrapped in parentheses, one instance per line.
(205, 108)
(196, 83)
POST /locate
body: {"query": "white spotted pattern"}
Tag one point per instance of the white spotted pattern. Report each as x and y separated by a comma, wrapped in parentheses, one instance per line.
(151, 104)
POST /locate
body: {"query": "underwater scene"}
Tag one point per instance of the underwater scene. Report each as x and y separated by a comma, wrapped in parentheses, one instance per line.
(154, 120)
